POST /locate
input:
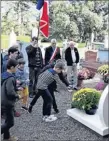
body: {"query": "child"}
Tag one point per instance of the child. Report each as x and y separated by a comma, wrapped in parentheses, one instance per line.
(8, 98)
(44, 80)
(22, 83)
(53, 87)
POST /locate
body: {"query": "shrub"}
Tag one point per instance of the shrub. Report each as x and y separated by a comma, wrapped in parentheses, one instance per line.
(86, 98)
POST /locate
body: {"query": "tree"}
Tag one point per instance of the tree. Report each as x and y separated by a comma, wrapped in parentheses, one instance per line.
(21, 13)
(86, 17)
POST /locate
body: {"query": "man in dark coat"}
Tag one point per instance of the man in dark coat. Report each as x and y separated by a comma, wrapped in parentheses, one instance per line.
(72, 58)
(52, 53)
(35, 63)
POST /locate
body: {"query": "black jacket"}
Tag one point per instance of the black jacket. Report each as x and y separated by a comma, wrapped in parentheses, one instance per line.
(68, 56)
(1, 63)
(31, 52)
(8, 90)
(48, 54)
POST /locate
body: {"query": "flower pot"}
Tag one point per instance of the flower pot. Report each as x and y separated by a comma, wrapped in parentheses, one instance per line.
(80, 82)
(72, 106)
(91, 111)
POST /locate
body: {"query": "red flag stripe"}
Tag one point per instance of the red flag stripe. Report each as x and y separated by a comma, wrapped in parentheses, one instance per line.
(44, 21)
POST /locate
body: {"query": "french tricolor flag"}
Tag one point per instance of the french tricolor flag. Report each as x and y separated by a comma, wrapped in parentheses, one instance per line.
(44, 17)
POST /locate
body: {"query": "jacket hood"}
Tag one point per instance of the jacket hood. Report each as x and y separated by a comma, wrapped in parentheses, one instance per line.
(6, 75)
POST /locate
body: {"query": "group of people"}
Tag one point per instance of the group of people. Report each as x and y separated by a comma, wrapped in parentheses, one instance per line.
(44, 74)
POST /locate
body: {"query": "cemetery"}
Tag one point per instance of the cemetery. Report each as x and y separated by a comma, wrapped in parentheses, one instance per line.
(96, 60)
(83, 112)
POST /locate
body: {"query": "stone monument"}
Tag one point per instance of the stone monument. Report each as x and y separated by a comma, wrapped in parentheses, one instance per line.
(98, 122)
(12, 38)
(106, 41)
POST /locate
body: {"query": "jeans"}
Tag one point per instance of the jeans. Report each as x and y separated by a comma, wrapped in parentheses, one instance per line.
(47, 101)
(9, 122)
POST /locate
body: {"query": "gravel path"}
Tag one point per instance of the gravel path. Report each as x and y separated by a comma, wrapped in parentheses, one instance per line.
(31, 127)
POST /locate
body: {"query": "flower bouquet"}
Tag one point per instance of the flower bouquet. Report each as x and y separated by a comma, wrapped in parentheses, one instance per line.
(82, 75)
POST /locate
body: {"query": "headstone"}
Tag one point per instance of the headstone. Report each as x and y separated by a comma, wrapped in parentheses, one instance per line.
(106, 41)
(98, 122)
(92, 39)
(65, 45)
(91, 56)
(12, 38)
(34, 32)
(103, 55)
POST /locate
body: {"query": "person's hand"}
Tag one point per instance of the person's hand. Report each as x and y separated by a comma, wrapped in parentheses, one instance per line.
(20, 89)
(18, 82)
(20, 97)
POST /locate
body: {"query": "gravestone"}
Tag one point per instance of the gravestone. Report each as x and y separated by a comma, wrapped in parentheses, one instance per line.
(12, 38)
(91, 61)
(91, 56)
(106, 41)
(98, 122)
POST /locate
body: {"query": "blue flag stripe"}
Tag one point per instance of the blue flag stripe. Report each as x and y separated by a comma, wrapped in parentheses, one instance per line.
(40, 4)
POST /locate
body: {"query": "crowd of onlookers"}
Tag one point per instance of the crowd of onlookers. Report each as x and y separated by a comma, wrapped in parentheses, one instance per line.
(44, 74)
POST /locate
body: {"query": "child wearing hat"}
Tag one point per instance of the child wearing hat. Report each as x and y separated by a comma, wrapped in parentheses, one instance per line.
(22, 83)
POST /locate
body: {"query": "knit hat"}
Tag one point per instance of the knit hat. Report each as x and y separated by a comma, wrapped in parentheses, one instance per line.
(60, 64)
(21, 61)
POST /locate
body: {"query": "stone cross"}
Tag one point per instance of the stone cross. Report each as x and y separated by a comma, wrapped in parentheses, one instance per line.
(12, 38)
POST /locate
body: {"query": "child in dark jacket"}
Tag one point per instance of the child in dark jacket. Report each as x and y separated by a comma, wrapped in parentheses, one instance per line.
(8, 98)
(22, 83)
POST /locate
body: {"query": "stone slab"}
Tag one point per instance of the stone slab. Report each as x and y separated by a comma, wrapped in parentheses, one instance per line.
(91, 121)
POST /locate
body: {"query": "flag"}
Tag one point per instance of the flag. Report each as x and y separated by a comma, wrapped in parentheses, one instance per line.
(44, 17)
(40, 4)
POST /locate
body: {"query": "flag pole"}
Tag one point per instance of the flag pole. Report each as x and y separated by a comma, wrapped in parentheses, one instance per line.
(38, 28)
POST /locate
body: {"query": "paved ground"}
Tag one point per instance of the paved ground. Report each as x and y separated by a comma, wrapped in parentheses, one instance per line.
(31, 127)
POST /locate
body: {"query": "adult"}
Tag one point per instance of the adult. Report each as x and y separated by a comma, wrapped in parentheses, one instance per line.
(1, 62)
(72, 58)
(52, 53)
(35, 63)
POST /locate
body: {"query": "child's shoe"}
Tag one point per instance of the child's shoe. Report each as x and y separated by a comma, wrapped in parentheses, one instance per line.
(50, 118)
(30, 109)
(25, 108)
(56, 111)
(11, 139)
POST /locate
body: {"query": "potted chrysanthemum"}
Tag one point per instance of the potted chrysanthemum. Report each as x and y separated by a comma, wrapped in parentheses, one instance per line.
(86, 99)
(104, 72)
